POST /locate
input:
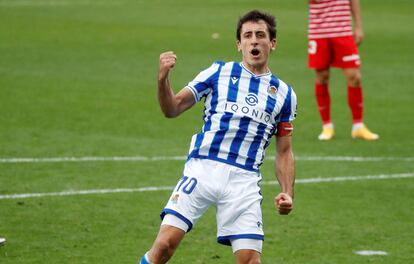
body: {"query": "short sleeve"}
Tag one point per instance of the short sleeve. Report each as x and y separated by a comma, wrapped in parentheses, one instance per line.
(203, 82)
(289, 108)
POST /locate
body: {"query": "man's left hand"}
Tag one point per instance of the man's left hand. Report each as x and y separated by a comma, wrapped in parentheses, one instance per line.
(284, 203)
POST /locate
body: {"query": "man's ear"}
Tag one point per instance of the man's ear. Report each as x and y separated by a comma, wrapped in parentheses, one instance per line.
(274, 44)
(238, 46)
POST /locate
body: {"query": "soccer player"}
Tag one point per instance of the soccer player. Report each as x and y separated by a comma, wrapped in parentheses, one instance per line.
(245, 106)
(333, 44)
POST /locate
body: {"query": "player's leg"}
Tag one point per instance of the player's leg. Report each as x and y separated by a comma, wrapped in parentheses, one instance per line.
(356, 104)
(323, 99)
(347, 57)
(247, 251)
(167, 241)
(319, 59)
(239, 216)
(354, 89)
(191, 197)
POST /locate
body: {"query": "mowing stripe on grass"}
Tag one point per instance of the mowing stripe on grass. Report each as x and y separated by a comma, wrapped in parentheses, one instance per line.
(169, 158)
(169, 188)
(54, 3)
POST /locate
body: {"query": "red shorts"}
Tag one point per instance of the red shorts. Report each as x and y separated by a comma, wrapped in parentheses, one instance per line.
(340, 52)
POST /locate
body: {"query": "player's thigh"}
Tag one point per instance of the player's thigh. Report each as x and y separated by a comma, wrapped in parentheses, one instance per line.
(246, 244)
(187, 202)
(239, 213)
(322, 76)
(319, 54)
(246, 256)
(345, 53)
(194, 192)
(168, 239)
(352, 76)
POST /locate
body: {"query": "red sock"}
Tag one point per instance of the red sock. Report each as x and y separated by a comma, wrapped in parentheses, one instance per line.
(323, 100)
(355, 102)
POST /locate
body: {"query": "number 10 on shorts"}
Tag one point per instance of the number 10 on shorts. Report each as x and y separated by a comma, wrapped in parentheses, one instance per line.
(187, 184)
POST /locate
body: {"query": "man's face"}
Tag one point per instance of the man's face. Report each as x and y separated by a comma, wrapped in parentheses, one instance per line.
(255, 44)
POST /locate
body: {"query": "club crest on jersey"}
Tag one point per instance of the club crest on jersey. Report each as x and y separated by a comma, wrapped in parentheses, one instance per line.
(251, 99)
(174, 198)
(272, 90)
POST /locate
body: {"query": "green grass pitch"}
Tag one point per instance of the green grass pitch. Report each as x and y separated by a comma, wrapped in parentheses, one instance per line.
(78, 79)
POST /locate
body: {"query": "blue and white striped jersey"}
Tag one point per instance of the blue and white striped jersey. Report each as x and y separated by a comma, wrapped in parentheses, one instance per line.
(241, 113)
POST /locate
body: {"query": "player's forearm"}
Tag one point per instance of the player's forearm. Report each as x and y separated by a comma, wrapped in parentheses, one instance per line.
(285, 171)
(356, 13)
(166, 97)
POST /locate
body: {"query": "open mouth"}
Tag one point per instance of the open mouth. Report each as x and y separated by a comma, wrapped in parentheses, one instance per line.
(255, 52)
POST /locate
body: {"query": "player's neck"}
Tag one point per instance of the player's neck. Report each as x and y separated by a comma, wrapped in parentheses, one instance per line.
(256, 70)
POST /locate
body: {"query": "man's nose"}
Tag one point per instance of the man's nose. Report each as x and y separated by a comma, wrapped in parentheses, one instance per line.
(254, 40)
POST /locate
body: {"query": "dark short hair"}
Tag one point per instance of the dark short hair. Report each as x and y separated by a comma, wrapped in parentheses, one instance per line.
(255, 16)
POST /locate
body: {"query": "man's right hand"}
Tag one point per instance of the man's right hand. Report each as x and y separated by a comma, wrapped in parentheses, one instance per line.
(167, 62)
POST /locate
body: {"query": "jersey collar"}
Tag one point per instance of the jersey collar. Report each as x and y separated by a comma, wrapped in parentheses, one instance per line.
(254, 75)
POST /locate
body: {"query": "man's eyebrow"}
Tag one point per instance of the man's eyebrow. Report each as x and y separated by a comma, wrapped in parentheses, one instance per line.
(254, 31)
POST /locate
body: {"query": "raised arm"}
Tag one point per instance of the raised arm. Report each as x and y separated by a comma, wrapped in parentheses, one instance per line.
(285, 173)
(171, 104)
(356, 15)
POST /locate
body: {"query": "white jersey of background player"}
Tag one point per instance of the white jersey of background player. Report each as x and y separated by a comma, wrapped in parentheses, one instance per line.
(245, 105)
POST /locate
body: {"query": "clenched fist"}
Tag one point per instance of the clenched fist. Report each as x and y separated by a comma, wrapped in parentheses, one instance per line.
(167, 62)
(284, 203)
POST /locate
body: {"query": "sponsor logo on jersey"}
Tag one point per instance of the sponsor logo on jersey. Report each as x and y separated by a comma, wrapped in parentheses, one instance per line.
(234, 80)
(251, 99)
(353, 57)
(252, 112)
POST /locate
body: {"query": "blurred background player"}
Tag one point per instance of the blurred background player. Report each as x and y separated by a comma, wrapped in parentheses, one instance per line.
(245, 106)
(333, 44)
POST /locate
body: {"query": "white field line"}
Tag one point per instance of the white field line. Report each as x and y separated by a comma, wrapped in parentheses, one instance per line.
(169, 188)
(170, 158)
(82, 192)
(88, 159)
(371, 253)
